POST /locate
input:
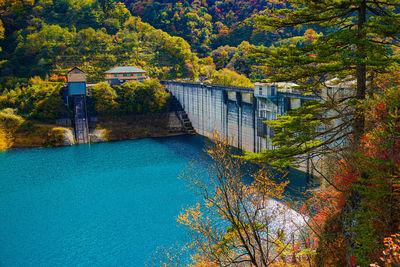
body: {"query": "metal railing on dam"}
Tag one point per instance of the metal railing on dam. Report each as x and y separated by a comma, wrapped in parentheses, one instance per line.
(237, 113)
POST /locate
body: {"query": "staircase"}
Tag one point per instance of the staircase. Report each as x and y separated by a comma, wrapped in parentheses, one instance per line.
(175, 106)
(81, 120)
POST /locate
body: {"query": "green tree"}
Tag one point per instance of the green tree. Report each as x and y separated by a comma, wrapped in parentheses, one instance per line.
(107, 5)
(40, 100)
(138, 98)
(229, 77)
(104, 98)
(241, 62)
(222, 56)
(357, 44)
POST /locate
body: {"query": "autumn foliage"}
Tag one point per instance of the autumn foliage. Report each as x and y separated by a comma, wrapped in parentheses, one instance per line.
(372, 177)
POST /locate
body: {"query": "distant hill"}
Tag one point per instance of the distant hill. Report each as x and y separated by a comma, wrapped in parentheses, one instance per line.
(44, 37)
(207, 24)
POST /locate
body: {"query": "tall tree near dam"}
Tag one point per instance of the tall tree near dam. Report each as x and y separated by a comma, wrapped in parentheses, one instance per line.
(356, 45)
(357, 41)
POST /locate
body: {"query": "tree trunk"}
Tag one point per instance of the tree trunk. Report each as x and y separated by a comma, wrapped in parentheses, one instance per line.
(361, 73)
(349, 219)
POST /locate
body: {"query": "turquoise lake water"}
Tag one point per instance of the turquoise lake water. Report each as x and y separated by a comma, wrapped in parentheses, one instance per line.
(109, 204)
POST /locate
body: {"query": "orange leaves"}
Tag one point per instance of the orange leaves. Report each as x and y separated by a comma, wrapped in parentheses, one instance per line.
(57, 78)
(391, 253)
(303, 209)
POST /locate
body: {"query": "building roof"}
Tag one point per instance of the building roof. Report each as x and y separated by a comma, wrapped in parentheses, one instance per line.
(75, 68)
(125, 69)
(278, 84)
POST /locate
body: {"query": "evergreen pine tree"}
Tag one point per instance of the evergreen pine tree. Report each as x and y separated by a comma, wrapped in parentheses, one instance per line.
(355, 46)
(357, 41)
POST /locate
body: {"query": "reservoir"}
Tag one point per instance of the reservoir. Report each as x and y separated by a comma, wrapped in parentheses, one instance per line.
(107, 204)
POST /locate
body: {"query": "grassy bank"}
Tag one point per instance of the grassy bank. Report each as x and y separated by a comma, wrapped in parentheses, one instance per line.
(15, 131)
(39, 135)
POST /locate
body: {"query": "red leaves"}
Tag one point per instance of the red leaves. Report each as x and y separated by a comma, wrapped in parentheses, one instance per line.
(380, 112)
(302, 209)
(351, 261)
(346, 178)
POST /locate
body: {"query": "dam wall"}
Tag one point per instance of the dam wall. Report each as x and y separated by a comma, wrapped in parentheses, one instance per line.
(237, 113)
(232, 111)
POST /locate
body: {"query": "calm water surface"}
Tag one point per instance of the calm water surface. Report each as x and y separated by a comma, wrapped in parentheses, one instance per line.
(109, 204)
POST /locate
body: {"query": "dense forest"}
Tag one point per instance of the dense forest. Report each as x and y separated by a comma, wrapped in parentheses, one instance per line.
(45, 37)
(207, 25)
(41, 40)
(353, 135)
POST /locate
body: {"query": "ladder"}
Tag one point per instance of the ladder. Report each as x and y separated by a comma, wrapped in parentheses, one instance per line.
(176, 107)
(81, 120)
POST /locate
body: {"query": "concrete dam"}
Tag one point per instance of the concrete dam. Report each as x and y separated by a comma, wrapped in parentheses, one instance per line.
(237, 113)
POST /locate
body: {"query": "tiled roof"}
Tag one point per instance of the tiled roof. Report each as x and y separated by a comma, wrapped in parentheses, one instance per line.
(125, 69)
(279, 84)
(75, 68)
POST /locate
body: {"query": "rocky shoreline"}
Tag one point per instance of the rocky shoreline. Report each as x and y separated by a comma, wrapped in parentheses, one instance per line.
(116, 129)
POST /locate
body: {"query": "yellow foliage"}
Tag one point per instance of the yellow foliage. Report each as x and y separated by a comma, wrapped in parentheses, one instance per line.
(4, 140)
(235, 215)
(231, 78)
(56, 136)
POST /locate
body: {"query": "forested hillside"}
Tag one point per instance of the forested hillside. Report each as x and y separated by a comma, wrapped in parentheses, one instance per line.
(44, 37)
(209, 24)
(163, 37)
(345, 53)
(222, 30)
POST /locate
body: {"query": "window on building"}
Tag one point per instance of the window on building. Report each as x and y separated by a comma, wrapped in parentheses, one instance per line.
(116, 75)
(139, 74)
(260, 91)
(127, 75)
(273, 90)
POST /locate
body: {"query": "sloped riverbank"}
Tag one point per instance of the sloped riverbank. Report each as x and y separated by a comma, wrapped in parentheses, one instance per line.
(107, 129)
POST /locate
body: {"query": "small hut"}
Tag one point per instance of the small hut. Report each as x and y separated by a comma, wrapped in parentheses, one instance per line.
(76, 82)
